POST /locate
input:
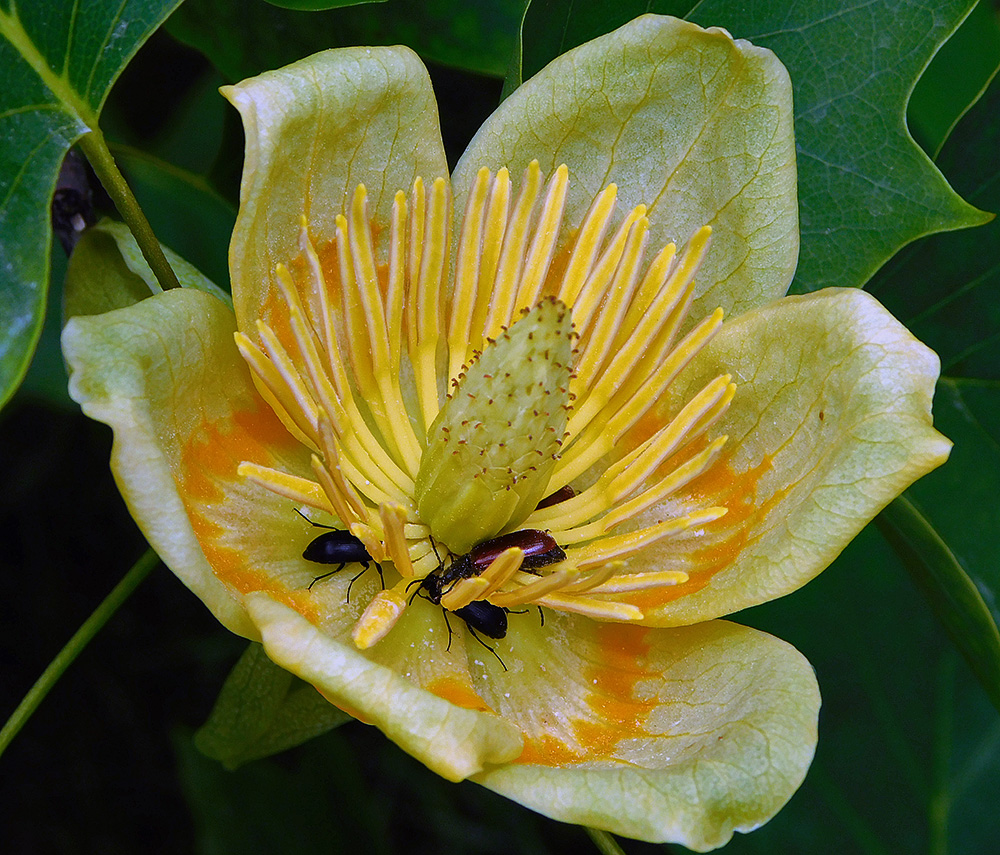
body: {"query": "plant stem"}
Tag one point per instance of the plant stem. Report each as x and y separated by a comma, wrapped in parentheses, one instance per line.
(96, 149)
(605, 843)
(81, 638)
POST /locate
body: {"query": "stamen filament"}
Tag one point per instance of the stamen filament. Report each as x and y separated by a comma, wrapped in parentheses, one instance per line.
(348, 507)
(467, 270)
(588, 244)
(512, 255)
(428, 310)
(275, 390)
(596, 287)
(302, 491)
(623, 545)
(681, 476)
(497, 218)
(536, 588)
(598, 609)
(543, 246)
(597, 345)
(626, 582)
(393, 518)
(601, 436)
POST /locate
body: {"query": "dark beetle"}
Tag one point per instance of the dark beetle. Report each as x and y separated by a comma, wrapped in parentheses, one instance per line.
(341, 548)
(540, 549)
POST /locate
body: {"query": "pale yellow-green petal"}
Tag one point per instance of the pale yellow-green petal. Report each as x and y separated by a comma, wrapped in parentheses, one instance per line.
(831, 421)
(159, 373)
(685, 120)
(683, 735)
(315, 130)
(450, 740)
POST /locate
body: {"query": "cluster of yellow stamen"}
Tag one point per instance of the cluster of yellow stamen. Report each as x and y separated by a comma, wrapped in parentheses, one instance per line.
(363, 364)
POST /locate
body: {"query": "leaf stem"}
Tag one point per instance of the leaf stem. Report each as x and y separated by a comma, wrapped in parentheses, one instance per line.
(605, 843)
(81, 638)
(941, 797)
(95, 147)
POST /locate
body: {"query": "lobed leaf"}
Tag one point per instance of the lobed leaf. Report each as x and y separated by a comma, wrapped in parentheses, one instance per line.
(865, 187)
(947, 290)
(59, 63)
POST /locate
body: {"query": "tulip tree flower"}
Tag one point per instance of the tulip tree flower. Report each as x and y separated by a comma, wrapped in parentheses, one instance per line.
(428, 362)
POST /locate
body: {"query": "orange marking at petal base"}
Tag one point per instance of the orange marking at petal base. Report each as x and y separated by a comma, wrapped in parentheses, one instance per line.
(619, 715)
(208, 471)
(546, 750)
(725, 538)
(649, 424)
(213, 452)
(459, 693)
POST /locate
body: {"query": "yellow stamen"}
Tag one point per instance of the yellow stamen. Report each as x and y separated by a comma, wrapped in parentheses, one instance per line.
(628, 405)
(537, 588)
(467, 269)
(641, 582)
(361, 364)
(598, 609)
(381, 615)
(598, 284)
(300, 490)
(511, 261)
(393, 518)
(623, 545)
(588, 244)
(543, 245)
(500, 571)
(427, 310)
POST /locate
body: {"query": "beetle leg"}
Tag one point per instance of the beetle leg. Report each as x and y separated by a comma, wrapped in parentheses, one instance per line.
(328, 575)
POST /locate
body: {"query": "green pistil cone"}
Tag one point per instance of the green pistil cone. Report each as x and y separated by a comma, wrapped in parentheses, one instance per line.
(491, 450)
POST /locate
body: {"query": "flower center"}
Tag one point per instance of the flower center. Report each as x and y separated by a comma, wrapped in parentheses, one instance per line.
(553, 354)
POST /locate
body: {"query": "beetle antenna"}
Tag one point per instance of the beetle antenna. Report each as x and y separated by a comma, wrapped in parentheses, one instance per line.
(312, 522)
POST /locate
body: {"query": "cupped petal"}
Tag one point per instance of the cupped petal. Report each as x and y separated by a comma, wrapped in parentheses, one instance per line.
(315, 130)
(831, 421)
(683, 735)
(687, 121)
(453, 741)
(161, 373)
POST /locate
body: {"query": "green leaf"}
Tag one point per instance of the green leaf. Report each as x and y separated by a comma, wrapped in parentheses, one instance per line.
(909, 748)
(58, 65)
(319, 5)
(947, 290)
(949, 590)
(865, 187)
(261, 710)
(317, 801)
(244, 39)
(956, 78)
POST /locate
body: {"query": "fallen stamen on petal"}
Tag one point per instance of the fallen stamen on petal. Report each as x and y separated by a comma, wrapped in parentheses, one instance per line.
(381, 615)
